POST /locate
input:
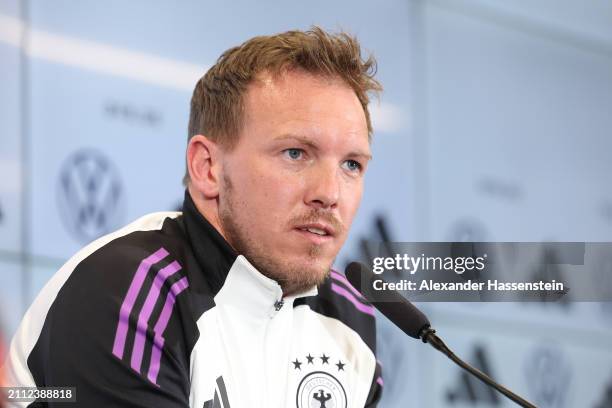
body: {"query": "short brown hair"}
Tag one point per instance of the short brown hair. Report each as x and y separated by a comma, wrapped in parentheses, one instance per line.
(217, 106)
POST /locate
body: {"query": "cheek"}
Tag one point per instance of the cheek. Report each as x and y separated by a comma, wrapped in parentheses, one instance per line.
(271, 194)
(280, 182)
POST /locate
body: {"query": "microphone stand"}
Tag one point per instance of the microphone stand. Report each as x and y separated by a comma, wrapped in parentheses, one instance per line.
(428, 335)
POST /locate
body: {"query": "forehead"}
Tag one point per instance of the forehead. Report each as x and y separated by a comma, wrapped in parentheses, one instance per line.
(296, 100)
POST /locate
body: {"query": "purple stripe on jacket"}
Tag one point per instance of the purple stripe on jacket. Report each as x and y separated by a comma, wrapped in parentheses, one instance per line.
(130, 298)
(340, 290)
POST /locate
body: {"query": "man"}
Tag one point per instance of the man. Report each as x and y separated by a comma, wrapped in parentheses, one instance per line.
(230, 303)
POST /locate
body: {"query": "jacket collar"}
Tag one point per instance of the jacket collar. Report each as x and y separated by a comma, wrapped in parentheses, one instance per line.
(257, 295)
(213, 253)
(216, 258)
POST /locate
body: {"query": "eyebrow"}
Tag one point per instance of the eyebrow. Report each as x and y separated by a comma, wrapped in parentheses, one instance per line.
(305, 141)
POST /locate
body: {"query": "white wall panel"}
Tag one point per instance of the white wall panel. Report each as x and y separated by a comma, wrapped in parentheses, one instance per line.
(10, 150)
(135, 129)
(518, 132)
(11, 296)
(548, 371)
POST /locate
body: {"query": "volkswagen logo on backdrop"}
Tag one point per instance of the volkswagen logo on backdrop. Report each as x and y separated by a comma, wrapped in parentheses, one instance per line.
(90, 195)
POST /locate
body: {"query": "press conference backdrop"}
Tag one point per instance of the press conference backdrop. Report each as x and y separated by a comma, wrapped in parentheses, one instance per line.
(495, 125)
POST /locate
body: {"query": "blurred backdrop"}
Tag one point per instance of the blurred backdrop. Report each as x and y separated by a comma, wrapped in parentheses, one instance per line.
(495, 125)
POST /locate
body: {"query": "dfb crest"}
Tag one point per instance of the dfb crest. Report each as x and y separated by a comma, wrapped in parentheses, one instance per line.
(320, 389)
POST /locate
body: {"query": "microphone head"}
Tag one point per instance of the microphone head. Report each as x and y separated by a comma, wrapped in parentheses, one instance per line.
(390, 303)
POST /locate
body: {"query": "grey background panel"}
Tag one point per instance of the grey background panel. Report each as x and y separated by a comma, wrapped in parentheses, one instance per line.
(549, 371)
(11, 299)
(139, 129)
(530, 164)
(10, 150)
(10, 8)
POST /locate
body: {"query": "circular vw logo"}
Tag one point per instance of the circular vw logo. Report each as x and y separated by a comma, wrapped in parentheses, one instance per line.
(89, 195)
(320, 390)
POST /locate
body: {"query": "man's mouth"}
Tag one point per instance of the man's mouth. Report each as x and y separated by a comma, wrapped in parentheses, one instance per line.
(318, 228)
(315, 231)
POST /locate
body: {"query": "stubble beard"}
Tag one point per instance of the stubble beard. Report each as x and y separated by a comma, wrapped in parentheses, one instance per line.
(292, 277)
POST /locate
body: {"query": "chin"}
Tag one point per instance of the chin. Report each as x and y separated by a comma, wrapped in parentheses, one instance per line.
(303, 279)
(318, 271)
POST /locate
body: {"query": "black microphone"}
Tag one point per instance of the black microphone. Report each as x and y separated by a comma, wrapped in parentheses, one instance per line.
(413, 322)
(394, 306)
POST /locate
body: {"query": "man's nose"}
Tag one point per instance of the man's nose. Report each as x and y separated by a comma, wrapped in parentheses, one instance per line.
(323, 187)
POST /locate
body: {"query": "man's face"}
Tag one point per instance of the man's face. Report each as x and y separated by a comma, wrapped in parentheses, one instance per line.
(292, 184)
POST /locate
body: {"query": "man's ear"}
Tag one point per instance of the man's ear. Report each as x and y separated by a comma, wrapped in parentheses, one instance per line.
(204, 164)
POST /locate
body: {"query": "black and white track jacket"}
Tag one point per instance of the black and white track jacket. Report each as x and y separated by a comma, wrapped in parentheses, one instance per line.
(163, 313)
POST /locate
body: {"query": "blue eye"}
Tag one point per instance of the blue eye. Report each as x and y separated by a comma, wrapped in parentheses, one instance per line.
(294, 154)
(352, 165)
